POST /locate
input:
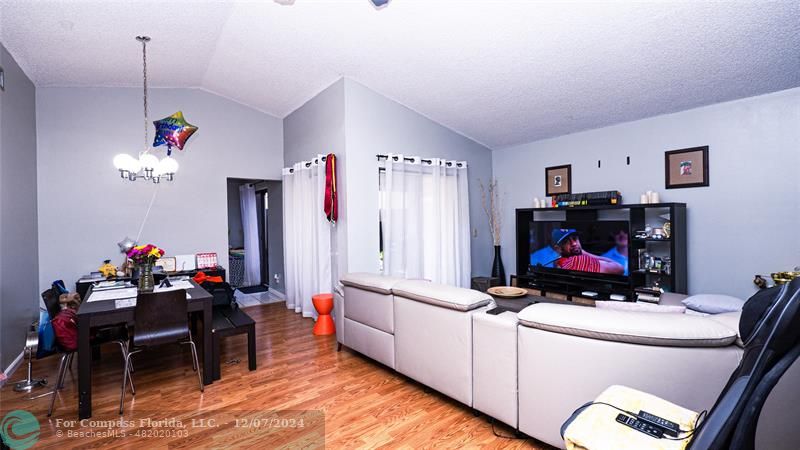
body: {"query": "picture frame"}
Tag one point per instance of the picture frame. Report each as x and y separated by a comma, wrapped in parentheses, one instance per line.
(169, 263)
(686, 168)
(558, 180)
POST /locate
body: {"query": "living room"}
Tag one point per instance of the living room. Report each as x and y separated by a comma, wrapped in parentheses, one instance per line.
(401, 141)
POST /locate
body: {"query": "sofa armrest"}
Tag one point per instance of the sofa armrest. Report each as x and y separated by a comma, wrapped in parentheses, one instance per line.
(338, 314)
(646, 328)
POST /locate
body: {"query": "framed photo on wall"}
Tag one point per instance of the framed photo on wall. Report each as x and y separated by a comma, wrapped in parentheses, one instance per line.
(686, 168)
(558, 180)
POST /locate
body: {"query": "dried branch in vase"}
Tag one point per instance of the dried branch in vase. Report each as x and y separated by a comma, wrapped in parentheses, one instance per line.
(490, 200)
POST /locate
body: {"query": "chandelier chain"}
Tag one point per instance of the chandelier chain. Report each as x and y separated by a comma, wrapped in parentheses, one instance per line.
(144, 84)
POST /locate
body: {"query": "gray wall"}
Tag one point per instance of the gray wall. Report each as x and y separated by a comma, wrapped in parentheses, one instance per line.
(19, 267)
(235, 231)
(83, 201)
(275, 236)
(316, 128)
(744, 223)
(376, 124)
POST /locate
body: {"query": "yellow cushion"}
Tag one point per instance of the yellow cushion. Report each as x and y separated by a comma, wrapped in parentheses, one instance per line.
(596, 427)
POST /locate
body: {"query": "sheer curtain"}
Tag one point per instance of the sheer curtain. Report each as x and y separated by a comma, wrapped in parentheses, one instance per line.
(425, 220)
(307, 235)
(252, 252)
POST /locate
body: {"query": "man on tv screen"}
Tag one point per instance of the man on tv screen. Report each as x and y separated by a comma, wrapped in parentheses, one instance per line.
(567, 243)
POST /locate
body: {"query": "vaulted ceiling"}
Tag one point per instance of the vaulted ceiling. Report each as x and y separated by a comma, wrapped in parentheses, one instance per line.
(500, 72)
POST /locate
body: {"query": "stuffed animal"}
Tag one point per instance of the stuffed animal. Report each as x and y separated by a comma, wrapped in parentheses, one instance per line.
(107, 269)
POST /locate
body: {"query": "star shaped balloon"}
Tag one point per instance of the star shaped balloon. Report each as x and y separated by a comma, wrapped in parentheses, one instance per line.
(126, 244)
(173, 131)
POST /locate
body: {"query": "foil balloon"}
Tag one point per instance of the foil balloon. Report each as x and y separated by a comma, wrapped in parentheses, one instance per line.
(173, 131)
(126, 244)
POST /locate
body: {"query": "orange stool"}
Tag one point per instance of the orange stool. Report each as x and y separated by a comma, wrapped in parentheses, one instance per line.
(323, 303)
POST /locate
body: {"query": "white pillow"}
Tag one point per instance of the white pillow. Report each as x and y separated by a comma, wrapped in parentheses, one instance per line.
(713, 303)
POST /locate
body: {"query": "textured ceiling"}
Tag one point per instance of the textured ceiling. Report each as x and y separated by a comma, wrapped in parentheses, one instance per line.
(500, 72)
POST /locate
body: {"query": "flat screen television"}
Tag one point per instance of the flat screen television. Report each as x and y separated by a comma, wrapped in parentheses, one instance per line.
(587, 248)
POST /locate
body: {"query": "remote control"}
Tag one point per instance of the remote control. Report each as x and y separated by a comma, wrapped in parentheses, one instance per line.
(641, 426)
(670, 428)
(496, 310)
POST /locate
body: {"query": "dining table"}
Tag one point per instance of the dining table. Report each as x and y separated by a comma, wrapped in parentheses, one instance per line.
(102, 313)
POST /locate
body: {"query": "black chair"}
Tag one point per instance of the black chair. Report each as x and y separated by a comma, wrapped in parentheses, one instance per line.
(229, 320)
(116, 334)
(770, 330)
(160, 318)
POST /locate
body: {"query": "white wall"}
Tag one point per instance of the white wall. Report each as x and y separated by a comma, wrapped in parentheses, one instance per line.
(378, 125)
(19, 284)
(84, 206)
(317, 128)
(745, 223)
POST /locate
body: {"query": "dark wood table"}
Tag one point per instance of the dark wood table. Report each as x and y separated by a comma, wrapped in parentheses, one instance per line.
(104, 313)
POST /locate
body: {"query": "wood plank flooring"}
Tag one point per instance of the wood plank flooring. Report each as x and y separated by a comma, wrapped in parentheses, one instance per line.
(304, 394)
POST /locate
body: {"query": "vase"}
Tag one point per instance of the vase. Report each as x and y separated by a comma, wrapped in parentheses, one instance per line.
(498, 271)
(146, 281)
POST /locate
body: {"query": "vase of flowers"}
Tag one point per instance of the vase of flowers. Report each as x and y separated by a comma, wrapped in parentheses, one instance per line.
(145, 256)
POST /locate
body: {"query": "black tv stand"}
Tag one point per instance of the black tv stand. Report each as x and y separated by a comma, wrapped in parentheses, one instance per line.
(571, 285)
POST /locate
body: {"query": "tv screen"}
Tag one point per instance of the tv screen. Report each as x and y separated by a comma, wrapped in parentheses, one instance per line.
(593, 247)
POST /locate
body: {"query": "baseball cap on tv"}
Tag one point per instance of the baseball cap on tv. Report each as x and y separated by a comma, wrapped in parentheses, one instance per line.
(559, 234)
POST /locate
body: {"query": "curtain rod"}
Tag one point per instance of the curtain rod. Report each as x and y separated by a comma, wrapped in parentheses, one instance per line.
(428, 161)
(308, 164)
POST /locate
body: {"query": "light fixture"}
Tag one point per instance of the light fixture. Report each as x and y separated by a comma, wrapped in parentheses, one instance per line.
(147, 166)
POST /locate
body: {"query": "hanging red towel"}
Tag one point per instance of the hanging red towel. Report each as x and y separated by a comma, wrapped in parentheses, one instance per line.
(331, 207)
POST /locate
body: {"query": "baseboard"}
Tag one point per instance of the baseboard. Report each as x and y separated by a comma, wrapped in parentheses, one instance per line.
(9, 371)
(277, 293)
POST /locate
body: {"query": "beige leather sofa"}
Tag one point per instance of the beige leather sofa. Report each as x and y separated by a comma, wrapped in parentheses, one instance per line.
(532, 369)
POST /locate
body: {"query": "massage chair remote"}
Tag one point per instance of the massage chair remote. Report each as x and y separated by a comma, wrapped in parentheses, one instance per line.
(670, 428)
(641, 425)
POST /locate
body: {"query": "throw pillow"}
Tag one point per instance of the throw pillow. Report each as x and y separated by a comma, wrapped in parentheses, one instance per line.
(713, 303)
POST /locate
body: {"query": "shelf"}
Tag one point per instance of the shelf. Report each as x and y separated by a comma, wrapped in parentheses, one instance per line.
(651, 272)
(651, 240)
(623, 206)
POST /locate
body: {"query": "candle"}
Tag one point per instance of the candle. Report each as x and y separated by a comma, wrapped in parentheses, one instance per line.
(643, 198)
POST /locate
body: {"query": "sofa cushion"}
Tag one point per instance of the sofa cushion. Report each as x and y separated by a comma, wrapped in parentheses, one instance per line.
(451, 297)
(730, 320)
(641, 307)
(678, 330)
(370, 281)
(713, 303)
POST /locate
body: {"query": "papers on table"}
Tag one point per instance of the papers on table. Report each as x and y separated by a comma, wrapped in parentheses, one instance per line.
(126, 297)
(175, 286)
(112, 294)
(125, 303)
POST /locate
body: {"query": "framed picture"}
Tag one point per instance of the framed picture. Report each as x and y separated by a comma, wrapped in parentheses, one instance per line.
(558, 180)
(686, 168)
(167, 262)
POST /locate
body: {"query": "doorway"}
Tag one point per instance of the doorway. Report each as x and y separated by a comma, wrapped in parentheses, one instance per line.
(255, 238)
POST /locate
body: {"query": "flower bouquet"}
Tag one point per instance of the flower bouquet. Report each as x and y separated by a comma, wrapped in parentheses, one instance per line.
(145, 256)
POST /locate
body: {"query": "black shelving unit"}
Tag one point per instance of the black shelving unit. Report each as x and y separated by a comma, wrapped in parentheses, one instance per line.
(639, 215)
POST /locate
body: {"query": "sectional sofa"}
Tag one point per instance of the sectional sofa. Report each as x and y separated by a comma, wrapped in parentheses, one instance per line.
(531, 370)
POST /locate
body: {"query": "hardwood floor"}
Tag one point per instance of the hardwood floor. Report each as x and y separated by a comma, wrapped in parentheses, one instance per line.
(311, 396)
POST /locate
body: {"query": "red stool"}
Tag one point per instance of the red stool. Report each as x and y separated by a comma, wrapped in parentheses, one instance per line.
(323, 303)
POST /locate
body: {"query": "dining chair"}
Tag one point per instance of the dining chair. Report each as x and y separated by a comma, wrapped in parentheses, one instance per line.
(116, 334)
(160, 318)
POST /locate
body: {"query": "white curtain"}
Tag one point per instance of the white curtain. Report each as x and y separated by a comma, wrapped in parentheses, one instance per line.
(425, 220)
(307, 236)
(252, 251)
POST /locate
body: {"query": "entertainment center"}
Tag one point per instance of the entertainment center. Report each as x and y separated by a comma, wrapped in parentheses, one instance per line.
(602, 252)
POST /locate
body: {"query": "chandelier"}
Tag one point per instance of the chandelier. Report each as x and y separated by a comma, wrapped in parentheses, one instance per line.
(147, 166)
